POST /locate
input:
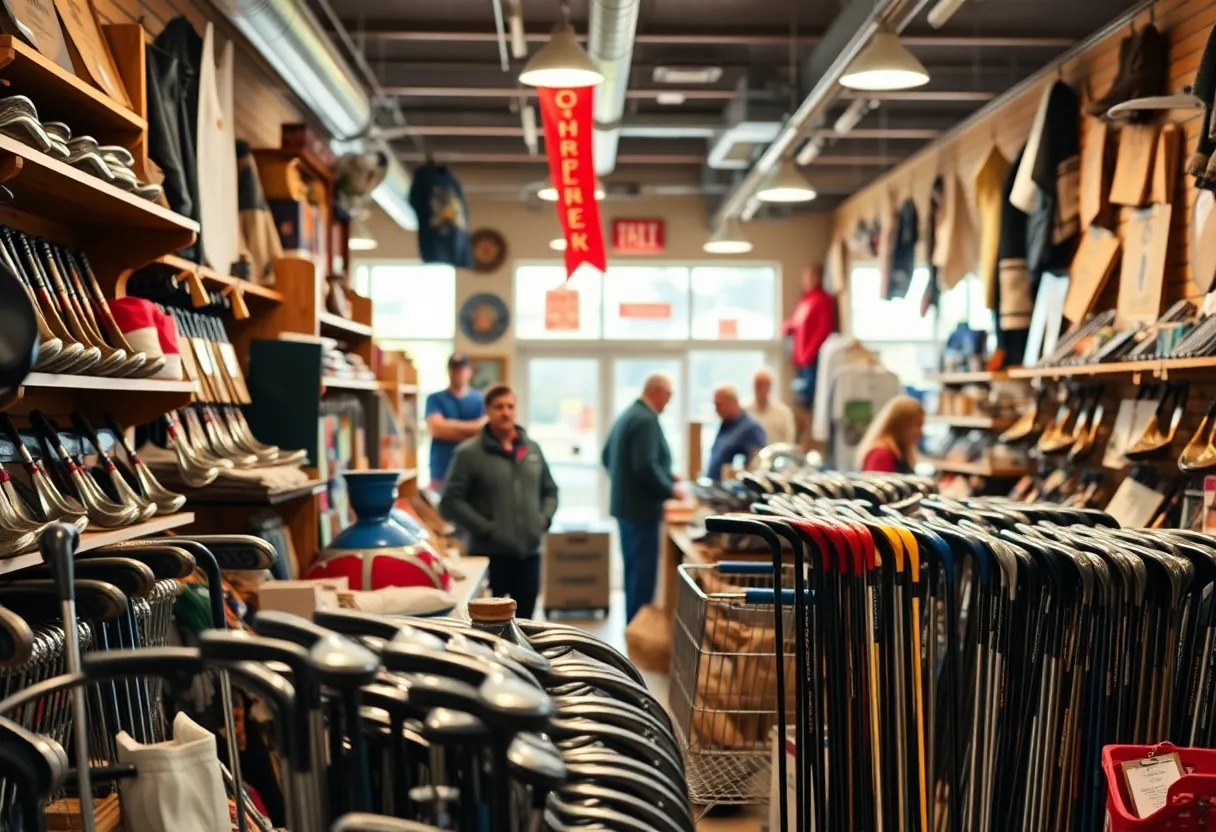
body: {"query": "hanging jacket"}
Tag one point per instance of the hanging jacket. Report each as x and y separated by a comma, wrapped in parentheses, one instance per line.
(1013, 290)
(259, 236)
(814, 319)
(443, 218)
(903, 250)
(216, 152)
(989, 200)
(932, 295)
(173, 77)
(1047, 186)
(957, 245)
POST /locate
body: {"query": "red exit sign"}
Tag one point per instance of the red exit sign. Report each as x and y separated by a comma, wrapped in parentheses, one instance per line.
(637, 237)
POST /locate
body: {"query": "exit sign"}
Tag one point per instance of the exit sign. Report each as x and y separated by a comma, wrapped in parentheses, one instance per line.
(637, 237)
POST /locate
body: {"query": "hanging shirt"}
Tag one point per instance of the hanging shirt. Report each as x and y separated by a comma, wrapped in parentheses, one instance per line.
(443, 219)
(957, 245)
(741, 436)
(859, 392)
(814, 319)
(447, 404)
(989, 188)
(903, 251)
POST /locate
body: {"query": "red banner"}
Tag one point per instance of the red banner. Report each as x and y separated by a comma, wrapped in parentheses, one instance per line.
(566, 114)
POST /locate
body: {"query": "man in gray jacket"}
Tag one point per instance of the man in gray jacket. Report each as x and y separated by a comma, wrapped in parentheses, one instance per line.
(500, 491)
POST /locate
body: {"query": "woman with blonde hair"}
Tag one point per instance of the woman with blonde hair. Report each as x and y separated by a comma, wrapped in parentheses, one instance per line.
(889, 445)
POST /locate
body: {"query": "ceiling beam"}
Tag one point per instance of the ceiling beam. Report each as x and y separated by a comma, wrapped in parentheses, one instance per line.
(515, 92)
(391, 31)
(924, 95)
(881, 133)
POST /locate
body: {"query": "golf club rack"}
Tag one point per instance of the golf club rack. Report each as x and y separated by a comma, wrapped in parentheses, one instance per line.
(954, 666)
(379, 724)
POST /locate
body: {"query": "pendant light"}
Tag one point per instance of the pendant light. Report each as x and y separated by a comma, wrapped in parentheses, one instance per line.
(549, 193)
(786, 184)
(360, 238)
(562, 62)
(885, 64)
(558, 244)
(728, 239)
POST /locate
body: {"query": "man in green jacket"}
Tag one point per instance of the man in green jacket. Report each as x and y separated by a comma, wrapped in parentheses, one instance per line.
(638, 461)
(500, 491)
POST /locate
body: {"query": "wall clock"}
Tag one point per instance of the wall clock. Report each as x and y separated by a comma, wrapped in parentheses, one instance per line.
(484, 318)
(489, 250)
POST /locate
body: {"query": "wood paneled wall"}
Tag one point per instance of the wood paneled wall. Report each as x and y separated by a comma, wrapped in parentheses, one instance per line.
(262, 101)
(1186, 24)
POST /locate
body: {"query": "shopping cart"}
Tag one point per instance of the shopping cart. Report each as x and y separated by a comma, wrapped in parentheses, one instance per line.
(724, 666)
(1191, 805)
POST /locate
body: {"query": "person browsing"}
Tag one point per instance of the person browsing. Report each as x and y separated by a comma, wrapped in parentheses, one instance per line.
(773, 415)
(638, 461)
(739, 435)
(500, 490)
(889, 445)
(452, 416)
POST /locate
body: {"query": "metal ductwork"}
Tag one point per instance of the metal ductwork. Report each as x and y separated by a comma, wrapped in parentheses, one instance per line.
(610, 37)
(844, 39)
(290, 38)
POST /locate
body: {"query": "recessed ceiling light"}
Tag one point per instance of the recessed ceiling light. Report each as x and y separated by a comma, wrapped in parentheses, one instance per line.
(670, 99)
(687, 74)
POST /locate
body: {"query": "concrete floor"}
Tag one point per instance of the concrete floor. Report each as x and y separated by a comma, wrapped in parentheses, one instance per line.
(612, 630)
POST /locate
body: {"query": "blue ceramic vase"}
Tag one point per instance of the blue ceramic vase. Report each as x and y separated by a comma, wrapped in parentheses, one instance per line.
(371, 495)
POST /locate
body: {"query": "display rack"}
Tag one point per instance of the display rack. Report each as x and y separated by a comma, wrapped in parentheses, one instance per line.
(978, 469)
(976, 377)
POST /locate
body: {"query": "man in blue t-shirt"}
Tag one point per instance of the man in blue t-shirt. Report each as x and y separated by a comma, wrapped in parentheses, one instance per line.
(740, 434)
(452, 416)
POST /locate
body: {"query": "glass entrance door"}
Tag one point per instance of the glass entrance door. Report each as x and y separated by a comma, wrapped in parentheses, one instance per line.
(563, 415)
(628, 376)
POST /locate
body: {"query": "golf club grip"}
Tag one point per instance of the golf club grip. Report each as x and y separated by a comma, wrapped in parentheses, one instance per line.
(239, 646)
(757, 595)
(288, 627)
(744, 567)
(364, 822)
(238, 551)
(355, 623)
(58, 547)
(743, 525)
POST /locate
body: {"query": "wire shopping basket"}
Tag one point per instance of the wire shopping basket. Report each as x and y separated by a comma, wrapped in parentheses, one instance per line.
(1189, 805)
(724, 668)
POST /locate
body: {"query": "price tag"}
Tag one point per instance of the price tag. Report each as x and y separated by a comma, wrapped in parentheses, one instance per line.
(1149, 780)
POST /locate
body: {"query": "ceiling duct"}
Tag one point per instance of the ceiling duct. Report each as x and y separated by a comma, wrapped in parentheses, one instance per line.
(610, 37)
(750, 127)
(290, 38)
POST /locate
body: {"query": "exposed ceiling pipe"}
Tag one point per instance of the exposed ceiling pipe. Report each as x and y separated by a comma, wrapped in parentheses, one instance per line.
(519, 38)
(845, 38)
(610, 38)
(500, 27)
(943, 11)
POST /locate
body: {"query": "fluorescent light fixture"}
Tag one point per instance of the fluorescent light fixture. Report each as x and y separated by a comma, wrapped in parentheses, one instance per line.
(809, 152)
(687, 74)
(519, 40)
(561, 63)
(361, 238)
(670, 98)
(527, 117)
(885, 64)
(851, 117)
(558, 244)
(943, 11)
(728, 239)
(549, 193)
(786, 184)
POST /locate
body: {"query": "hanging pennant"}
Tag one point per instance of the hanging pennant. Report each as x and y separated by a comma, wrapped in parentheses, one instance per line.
(566, 114)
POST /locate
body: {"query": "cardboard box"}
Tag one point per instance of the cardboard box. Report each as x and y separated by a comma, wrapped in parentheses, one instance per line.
(575, 571)
(302, 598)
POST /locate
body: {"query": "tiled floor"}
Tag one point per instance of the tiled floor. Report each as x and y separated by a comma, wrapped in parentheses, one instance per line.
(612, 630)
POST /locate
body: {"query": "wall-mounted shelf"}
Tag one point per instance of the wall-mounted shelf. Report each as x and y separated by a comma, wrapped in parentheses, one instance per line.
(132, 401)
(210, 277)
(335, 383)
(1157, 367)
(977, 422)
(338, 327)
(979, 377)
(976, 469)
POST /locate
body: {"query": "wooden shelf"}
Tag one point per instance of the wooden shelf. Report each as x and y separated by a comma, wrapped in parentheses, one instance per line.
(336, 325)
(399, 389)
(335, 383)
(132, 401)
(198, 497)
(251, 291)
(975, 469)
(978, 422)
(60, 96)
(97, 538)
(979, 377)
(1160, 367)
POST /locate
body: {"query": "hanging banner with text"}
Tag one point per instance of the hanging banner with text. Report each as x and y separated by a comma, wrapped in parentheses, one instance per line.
(566, 114)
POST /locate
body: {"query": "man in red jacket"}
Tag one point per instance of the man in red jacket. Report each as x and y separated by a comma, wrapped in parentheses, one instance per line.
(814, 319)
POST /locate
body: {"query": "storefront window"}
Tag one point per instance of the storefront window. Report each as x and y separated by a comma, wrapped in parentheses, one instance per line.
(646, 303)
(533, 284)
(734, 303)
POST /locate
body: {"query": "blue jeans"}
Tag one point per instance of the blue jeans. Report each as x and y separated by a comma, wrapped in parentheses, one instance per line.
(640, 553)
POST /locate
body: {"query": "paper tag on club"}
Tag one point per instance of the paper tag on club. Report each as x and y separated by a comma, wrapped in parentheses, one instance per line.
(203, 357)
(1149, 780)
(230, 360)
(1134, 504)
